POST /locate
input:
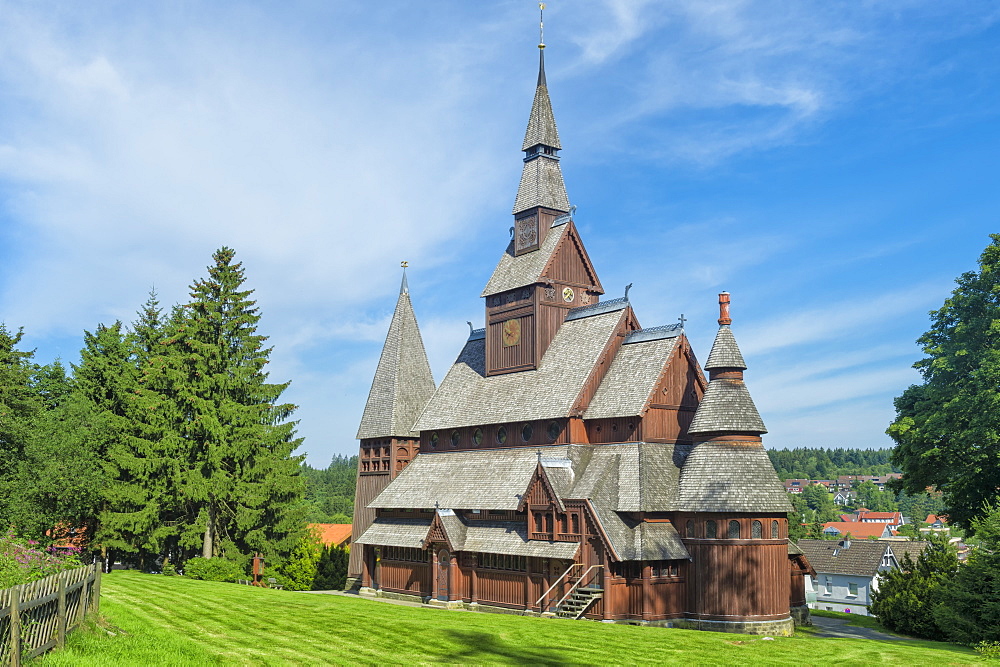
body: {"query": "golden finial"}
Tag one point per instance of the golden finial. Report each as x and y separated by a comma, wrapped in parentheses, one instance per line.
(541, 25)
(404, 264)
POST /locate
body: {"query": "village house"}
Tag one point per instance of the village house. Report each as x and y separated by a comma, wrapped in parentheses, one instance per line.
(847, 571)
(572, 462)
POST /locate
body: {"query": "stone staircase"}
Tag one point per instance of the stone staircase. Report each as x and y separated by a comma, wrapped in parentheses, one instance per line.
(578, 602)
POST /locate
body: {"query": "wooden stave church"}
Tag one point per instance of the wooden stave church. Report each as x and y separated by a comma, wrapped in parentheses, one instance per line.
(571, 462)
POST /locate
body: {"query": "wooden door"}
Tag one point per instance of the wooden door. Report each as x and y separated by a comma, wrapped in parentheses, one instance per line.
(444, 565)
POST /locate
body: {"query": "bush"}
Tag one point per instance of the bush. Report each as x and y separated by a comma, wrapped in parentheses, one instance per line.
(989, 650)
(331, 571)
(22, 560)
(299, 569)
(214, 569)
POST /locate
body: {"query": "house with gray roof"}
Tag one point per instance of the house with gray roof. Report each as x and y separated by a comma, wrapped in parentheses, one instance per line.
(847, 571)
(572, 462)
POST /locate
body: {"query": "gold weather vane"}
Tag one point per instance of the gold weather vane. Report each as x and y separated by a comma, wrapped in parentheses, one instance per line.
(404, 264)
(541, 25)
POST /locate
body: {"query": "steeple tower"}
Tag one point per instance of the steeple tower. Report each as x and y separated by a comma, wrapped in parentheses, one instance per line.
(402, 386)
(545, 270)
(541, 195)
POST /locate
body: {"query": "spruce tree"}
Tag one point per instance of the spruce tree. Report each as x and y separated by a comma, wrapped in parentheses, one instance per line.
(239, 482)
(20, 407)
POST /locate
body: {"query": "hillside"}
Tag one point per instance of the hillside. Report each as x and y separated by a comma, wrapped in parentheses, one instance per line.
(157, 620)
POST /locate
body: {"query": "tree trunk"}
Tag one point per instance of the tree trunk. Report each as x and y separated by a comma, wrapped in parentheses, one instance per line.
(208, 544)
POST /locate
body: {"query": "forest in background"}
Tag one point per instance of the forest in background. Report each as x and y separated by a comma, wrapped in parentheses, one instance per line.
(820, 463)
(329, 492)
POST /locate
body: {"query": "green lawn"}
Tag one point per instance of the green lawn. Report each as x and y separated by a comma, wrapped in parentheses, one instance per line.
(157, 620)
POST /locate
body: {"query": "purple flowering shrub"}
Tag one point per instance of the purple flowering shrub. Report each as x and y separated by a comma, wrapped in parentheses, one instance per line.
(23, 560)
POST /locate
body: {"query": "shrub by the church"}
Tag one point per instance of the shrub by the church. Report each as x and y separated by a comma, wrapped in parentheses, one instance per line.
(331, 571)
(214, 569)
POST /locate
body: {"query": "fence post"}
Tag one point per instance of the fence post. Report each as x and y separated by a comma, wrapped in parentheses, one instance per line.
(61, 618)
(15, 626)
(95, 591)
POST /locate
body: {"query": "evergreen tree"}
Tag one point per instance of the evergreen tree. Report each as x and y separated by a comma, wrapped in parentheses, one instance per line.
(239, 483)
(331, 570)
(20, 407)
(907, 598)
(947, 429)
(138, 451)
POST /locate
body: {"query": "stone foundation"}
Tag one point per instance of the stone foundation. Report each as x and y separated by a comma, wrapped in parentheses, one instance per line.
(781, 628)
(800, 615)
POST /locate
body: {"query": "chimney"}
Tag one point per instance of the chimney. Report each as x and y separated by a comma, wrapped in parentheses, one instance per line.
(724, 309)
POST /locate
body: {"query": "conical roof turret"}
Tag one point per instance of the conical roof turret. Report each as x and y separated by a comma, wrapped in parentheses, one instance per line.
(403, 381)
(726, 408)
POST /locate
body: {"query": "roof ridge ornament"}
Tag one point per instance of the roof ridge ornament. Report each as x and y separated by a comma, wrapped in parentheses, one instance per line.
(404, 287)
(724, 318)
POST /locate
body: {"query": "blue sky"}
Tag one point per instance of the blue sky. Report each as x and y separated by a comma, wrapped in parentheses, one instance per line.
(833, 165)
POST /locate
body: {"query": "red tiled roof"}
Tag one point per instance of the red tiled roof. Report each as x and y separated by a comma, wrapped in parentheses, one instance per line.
(332, 533)
(857, 530)
(931, 518)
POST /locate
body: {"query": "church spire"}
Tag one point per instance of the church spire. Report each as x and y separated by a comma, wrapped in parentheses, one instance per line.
(403, 382)
(541, 180)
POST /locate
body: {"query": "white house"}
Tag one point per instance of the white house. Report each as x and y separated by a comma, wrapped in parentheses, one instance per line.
(847, 571)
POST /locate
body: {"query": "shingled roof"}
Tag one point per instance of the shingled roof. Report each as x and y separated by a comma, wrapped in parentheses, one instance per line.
(468, 397)
(403, 381)
(725, 352)
(631, 378)
(616, 480)
(854, 557)
(541, 122)
(726, 407)
(727, 477)
(513, 272)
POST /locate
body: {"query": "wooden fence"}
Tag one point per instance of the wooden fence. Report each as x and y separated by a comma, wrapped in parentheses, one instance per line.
(35, 617)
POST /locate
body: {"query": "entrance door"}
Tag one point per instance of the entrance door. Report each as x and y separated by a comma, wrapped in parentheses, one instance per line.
(444, 564)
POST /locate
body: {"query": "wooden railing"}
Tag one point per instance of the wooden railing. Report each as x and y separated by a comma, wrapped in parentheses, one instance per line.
(35, 617)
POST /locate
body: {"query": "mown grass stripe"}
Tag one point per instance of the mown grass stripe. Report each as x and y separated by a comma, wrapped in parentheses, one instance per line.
(177, 621)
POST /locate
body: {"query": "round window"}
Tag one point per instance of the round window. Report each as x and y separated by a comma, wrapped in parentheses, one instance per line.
(434, 440)
(526, 432)
(456, 438)
(477, 437)
(554, 430)
(502, 434)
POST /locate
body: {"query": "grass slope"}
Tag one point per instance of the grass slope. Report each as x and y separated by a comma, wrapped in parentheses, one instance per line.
(159, 620)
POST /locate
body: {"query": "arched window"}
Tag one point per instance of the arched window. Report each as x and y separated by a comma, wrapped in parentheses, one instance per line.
(575, 520)
(689, 528)
(774, 530)
(456, 438)
(477, 437)
(502, 435)
(538, 522)
(756, 530)
(710, 530)
(734, 529)
(526, 432)
(434, 440)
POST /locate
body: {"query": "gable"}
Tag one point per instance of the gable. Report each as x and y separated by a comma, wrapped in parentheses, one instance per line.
(570, 263)
(436, 532)
(539, 492)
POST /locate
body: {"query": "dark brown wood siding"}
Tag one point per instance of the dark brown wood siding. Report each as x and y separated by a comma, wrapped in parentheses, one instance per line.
(738, 579)
(368, 486)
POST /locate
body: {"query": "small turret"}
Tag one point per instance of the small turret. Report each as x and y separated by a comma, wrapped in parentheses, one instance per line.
(727, 408)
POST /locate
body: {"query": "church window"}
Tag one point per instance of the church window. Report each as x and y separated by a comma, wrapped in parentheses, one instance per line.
(456, 438)
(774, 530)
(538, 522)
(575, 522)
(562, 523)
(711, 531)
(503, 562)
(756, 530)
(689, 528)
(554, 430)
(434, 440)
(502, 434)
(526, 432)
(548, 522)
(477, 437)
(734, 530)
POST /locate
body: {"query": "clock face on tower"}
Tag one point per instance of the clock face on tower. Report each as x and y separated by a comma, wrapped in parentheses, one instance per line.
(511, 333)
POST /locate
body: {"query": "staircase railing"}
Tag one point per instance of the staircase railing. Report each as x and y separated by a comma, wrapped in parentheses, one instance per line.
(579, 582)
(558, 581)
